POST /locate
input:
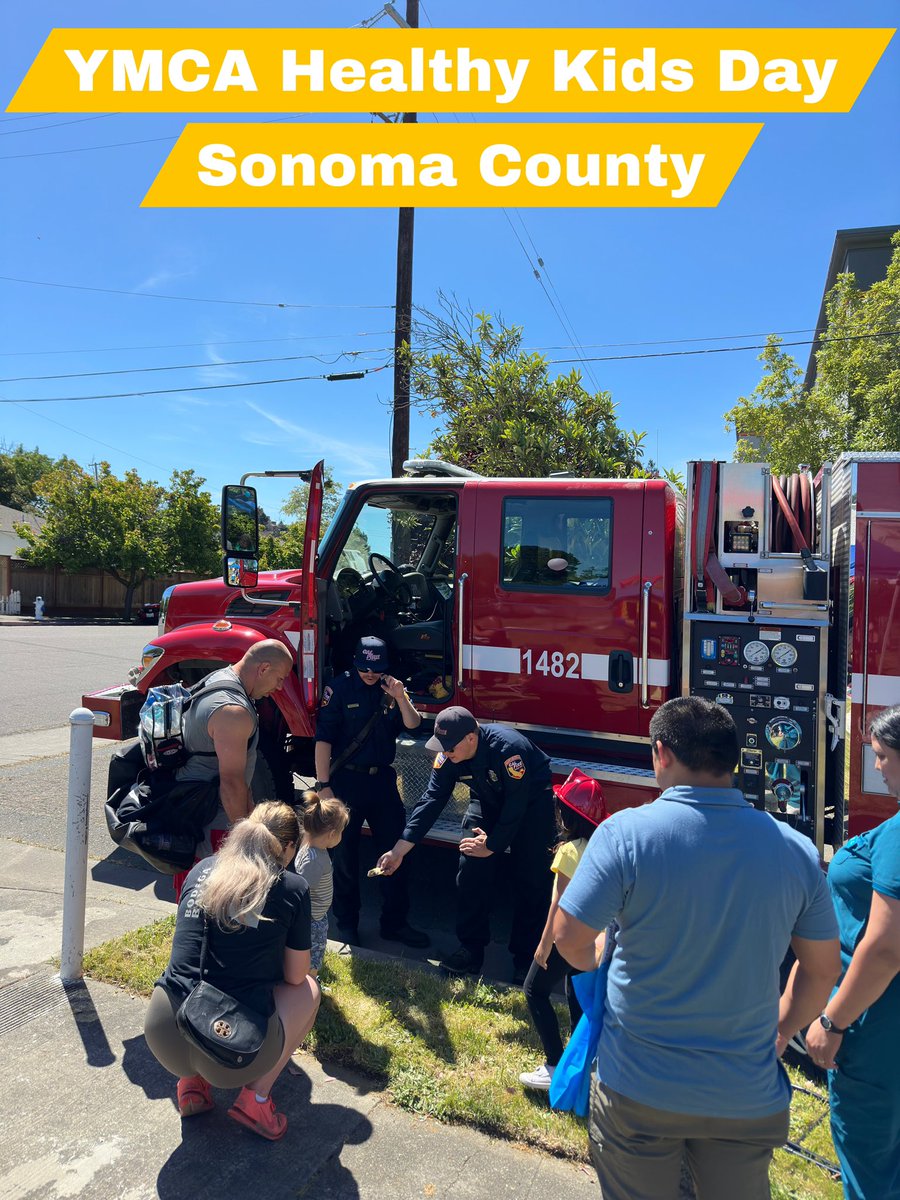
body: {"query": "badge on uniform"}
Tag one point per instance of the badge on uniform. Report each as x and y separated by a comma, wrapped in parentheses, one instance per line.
(492, 776)
(439, 761)
(326, 696)
(515, 767)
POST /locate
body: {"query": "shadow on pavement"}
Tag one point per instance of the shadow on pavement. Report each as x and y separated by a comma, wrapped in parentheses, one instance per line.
(213, 1148)
(98, 1052)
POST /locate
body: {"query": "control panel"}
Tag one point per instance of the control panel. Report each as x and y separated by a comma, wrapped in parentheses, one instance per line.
(767, 675)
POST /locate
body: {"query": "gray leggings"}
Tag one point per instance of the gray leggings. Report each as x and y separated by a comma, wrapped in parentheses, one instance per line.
(174, 1052)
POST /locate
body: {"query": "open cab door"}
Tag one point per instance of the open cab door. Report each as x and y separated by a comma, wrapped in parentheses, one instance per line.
(240, 564)
(309, 597)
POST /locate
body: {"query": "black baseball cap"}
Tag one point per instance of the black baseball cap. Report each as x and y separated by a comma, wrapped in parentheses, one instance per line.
(450, 727)
(371, 654)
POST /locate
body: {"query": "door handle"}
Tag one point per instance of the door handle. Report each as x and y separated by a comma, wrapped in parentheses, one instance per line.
(645, 643)
(621, 671)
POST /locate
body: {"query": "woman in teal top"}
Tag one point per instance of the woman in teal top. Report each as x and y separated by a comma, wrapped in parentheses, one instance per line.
(857, 1037)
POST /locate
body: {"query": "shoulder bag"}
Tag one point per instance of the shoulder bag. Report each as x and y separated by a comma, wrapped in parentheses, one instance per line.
(227, 1030)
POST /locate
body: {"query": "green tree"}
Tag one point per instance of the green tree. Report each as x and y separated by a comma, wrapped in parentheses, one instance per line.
(20, 470)
(501, 412)
(131, 528)
(284, 550)
(854, 403)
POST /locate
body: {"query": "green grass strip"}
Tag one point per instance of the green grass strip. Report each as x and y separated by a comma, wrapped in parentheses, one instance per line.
(450, 1049)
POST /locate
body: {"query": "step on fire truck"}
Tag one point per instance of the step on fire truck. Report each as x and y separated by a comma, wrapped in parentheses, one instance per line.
(572, 609)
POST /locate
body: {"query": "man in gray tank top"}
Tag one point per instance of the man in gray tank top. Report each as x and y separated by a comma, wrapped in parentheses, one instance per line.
(221, 730)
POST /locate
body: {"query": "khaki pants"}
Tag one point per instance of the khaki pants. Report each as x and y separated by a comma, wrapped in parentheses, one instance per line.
(637, 1151)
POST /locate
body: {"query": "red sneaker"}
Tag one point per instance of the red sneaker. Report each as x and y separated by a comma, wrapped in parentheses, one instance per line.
(194, 1096)
(258, 1117)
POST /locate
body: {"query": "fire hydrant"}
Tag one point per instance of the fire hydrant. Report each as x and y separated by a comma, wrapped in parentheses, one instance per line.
(39, 608)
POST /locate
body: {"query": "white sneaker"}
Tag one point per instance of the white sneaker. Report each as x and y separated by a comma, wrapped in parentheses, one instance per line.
(539, 1078)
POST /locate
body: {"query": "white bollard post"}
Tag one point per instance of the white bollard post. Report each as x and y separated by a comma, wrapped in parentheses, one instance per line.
(75, 888)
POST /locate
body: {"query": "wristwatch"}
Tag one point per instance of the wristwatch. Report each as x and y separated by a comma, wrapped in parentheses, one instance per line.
(319, 784)
(828, 1025)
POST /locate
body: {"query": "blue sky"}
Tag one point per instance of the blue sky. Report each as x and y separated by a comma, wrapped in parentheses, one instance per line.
(755, 264)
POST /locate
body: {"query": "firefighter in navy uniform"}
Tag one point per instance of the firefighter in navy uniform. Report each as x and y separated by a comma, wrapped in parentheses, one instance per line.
(361, 714)
(510, 806)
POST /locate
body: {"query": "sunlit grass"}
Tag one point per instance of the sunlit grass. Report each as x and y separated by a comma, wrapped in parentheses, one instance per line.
(451, 1049)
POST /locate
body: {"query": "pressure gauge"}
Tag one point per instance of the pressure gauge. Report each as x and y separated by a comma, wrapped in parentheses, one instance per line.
(784, 654)
(756, 653)
(783, 733)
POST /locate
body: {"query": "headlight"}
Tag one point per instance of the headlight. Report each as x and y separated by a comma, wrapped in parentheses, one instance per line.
(149, 655)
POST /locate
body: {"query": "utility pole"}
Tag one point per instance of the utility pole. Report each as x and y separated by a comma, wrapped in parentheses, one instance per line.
(403, 307)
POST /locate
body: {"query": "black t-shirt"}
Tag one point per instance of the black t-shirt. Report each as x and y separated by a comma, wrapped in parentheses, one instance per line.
(248, 962)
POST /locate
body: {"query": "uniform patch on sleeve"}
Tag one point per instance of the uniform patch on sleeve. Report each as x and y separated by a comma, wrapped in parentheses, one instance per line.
(515, 767)
(439, 761)
(326, 696)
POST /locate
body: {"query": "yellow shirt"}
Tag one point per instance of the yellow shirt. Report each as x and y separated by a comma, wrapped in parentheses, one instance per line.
(568, 857)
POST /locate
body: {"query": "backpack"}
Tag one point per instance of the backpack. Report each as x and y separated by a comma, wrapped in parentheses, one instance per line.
(157, 818)
(161, 724)
(147, 811)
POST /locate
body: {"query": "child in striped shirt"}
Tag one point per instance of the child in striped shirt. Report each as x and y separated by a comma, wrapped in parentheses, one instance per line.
(323, 822)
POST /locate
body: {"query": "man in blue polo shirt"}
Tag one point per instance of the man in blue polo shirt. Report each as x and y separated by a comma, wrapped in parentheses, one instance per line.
(708, 893)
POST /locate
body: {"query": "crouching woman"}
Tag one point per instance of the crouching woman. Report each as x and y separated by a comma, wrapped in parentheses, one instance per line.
(255, 919)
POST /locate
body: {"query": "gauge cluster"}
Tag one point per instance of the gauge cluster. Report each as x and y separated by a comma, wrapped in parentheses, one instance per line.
(767, 675)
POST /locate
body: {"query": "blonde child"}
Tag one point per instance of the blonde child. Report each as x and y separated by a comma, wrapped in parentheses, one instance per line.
(323, 823)
(579, 810)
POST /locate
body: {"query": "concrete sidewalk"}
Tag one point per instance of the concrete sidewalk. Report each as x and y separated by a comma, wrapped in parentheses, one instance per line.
(91, 1113)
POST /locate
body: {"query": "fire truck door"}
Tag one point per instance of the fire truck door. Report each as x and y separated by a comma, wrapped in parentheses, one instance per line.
(556, 606)
(309, 604)
(878, 685)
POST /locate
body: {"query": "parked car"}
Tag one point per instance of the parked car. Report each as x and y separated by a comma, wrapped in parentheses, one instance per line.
(149, 612)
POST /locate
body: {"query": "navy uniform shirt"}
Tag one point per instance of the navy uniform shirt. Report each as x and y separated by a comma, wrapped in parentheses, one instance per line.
(507, 775)
(347, 704)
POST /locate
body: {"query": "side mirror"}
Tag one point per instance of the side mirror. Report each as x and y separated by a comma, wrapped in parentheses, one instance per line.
(240, 572)
(240, 522)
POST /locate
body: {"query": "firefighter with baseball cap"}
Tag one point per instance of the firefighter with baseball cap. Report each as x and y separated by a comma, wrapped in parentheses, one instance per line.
(510, 807)
(361, 714)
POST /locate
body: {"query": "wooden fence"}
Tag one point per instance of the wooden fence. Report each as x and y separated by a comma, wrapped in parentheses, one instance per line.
(83, 593)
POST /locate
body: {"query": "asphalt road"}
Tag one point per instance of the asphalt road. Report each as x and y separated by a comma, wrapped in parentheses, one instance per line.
(44, 669)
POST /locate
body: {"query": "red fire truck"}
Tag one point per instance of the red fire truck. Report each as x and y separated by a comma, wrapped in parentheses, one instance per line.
(571, 609)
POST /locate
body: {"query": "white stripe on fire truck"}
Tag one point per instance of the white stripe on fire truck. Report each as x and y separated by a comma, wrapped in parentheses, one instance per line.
(883, 690)
(507, 660)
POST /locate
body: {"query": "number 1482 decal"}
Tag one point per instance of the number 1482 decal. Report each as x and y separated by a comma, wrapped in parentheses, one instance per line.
(552, 662)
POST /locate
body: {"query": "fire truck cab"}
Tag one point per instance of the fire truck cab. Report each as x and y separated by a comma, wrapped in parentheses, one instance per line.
(571, 609)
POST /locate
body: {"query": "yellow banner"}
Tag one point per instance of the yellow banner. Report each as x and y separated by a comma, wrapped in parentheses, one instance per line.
(451, 70)
(437, 166)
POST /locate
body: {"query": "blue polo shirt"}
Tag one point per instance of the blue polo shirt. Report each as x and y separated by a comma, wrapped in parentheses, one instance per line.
(707, 892)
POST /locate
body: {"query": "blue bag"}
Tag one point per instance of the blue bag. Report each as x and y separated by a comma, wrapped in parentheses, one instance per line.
(570, 1087)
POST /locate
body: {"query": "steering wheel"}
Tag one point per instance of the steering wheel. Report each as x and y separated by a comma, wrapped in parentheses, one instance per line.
(387, 579)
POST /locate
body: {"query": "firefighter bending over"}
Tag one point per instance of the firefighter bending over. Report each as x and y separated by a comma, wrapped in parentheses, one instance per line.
(510, 806)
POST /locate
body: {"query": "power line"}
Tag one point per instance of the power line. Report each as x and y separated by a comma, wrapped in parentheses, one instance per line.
(237, 362)
(207, 387)
(5, 120)
(76, 287)
(82, 434)
(85, 149)
(728, 337)
(560, 312)
(851, 337)
(319, 337)
(57, 124)
(309, 337)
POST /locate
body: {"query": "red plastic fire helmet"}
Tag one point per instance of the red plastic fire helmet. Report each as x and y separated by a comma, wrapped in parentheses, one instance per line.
(583, 794)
